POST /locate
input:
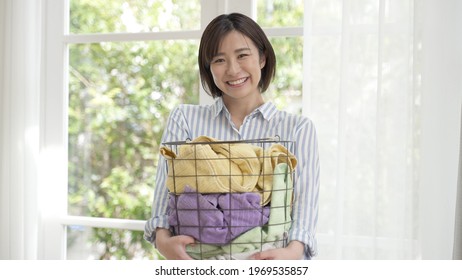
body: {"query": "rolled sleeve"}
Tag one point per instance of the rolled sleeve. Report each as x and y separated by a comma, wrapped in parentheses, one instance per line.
(308, 239)
(151, 226)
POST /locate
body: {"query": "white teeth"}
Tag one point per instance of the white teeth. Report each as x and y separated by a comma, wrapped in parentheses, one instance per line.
(240, 81)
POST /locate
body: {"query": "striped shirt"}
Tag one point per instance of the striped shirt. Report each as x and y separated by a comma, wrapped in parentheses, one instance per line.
(191, 121)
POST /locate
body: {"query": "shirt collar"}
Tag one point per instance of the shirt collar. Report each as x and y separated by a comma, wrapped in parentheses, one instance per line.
(217, 107)
(267, 110)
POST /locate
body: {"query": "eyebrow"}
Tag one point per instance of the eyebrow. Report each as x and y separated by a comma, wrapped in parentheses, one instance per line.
(236, 51)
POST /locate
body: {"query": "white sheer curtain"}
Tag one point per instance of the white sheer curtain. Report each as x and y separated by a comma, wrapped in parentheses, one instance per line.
(384, 90)
(364, 96)
(20, 47)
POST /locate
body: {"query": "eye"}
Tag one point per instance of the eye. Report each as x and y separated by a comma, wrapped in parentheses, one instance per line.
(217, 60)
(242, 55)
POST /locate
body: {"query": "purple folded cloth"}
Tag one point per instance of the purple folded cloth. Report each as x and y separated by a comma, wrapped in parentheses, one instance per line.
(215, 218)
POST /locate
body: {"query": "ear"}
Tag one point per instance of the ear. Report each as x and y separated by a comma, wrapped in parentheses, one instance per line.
(262, 61)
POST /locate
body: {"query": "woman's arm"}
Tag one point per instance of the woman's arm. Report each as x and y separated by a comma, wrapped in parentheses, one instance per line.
(176, 130)
(306, 187)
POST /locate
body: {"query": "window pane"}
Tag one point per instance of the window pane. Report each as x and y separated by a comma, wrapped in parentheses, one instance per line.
(286, 89)
(85, 243)
(280, 13)
(102, 16)
(120, 97)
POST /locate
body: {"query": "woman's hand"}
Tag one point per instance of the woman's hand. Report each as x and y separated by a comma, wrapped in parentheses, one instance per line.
(293, 251)
(172, 247)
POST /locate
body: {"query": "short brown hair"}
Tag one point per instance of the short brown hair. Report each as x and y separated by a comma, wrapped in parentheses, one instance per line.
(210, 42)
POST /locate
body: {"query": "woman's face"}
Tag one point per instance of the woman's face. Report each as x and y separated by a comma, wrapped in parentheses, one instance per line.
(236, 68)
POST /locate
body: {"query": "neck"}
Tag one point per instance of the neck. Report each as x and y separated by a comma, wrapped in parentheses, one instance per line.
(240, 108)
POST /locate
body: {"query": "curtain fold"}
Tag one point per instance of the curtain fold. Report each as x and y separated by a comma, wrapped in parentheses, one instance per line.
(457, 251)
(19, 108)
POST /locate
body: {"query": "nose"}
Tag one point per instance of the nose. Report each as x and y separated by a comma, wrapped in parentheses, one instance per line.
(233, 67)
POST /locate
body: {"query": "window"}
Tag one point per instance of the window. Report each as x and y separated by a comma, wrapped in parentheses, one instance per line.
(126, 64)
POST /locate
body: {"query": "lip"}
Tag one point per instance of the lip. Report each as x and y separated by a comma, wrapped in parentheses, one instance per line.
(238, 82)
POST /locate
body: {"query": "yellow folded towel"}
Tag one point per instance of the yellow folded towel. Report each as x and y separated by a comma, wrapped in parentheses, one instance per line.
(210, 166)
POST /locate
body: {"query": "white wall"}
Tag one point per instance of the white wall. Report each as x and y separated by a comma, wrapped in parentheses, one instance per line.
(441, 104)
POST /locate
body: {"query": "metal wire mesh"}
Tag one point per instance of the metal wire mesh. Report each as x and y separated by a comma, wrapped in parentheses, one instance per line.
(233, 197)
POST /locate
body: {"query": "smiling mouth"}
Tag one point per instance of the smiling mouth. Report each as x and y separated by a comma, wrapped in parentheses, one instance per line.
(237, 82)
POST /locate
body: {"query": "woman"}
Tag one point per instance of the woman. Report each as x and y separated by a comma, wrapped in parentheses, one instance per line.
(237, 63)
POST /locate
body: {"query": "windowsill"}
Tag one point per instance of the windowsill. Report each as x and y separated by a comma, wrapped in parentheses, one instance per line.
(103, 222)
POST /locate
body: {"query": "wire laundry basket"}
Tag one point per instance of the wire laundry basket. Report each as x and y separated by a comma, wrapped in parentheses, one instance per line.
(233, 197)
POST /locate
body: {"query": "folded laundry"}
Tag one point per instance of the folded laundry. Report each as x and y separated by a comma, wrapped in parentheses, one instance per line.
(258, 238)
(252, 241)
(247, 254)
(215, 218)
(210, 166)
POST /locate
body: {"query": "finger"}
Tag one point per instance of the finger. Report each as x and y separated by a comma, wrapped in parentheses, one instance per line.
(267, 255)
(261, 256)
(186, 239)
(255, 256)
(184, 256)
